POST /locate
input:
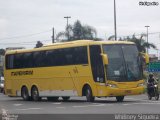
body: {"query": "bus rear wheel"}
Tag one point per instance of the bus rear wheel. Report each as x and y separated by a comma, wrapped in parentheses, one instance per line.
(120, 98)
(89, 96)
(35, 94)
(25, 94)
(65, 98)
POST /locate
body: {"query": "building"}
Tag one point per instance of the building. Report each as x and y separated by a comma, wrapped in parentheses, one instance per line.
(153, 58)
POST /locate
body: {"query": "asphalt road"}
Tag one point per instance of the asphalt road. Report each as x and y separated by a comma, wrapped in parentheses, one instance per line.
(78, 105)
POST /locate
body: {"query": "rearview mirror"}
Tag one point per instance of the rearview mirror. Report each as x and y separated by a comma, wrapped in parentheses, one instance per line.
(105, 59)
(145, 56)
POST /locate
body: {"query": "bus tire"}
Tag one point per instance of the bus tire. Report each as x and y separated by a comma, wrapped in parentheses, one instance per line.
(52, 98)
(89, 96)
(120, 98)
(66, 98)
(35, 94)
(25, 94)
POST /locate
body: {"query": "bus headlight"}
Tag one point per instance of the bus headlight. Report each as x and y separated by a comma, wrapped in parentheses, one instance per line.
(112, 85)
(140, 85)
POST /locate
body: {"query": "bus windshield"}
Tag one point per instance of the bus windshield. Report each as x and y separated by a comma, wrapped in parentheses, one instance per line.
(124, 63)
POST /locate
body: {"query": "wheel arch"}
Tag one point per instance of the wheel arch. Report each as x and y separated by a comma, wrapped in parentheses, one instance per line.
(34, 85)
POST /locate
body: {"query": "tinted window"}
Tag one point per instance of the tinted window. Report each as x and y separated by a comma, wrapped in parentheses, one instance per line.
(56, 57)
(39, 59)
(124, 64)
(27, 60)
(18, 61)
(9, 61)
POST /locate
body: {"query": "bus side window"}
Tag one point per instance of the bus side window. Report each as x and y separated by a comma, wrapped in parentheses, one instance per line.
(9, 61)
(80, 55)
(37, 56)
(27, 60)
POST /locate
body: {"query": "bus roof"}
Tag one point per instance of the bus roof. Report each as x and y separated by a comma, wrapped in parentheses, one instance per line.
(68, 44)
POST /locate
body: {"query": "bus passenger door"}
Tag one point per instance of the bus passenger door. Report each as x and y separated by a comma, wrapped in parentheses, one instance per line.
(97, 64)
(97, 67)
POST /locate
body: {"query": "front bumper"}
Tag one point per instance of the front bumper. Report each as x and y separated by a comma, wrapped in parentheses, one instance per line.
(104, 91)
(125, 92)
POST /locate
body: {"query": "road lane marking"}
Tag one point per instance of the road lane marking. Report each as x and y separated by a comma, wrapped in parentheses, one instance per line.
(136, 99)
(4, 112)
(61, 107)
(79, 106)
(126, 104)
(57, 103)
(17, 104)
(94, 105)
(141, 100)
(150, 103)
(30, 109)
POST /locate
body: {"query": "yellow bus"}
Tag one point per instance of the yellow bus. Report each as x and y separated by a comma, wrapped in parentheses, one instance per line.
(79, 68)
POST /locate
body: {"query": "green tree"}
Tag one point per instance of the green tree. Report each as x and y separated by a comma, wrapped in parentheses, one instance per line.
(78, 31)
(141, 44)
(64, 35)
(39, 44)
(2, 51)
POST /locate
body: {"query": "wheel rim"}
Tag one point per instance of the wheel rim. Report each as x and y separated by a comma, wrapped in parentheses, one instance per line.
(24, 93)
(35, 94)
(88, 94)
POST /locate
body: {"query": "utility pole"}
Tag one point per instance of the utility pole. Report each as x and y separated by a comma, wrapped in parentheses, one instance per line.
(147, 36)
(67, 17)
(115, 24)
(53, 35)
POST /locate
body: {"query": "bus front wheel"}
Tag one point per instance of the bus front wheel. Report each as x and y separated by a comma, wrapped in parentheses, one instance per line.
(120, 98)
(25, 94)
(89, 96)
(35, 94)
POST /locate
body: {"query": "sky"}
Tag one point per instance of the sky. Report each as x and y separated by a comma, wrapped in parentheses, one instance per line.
(23, 22)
